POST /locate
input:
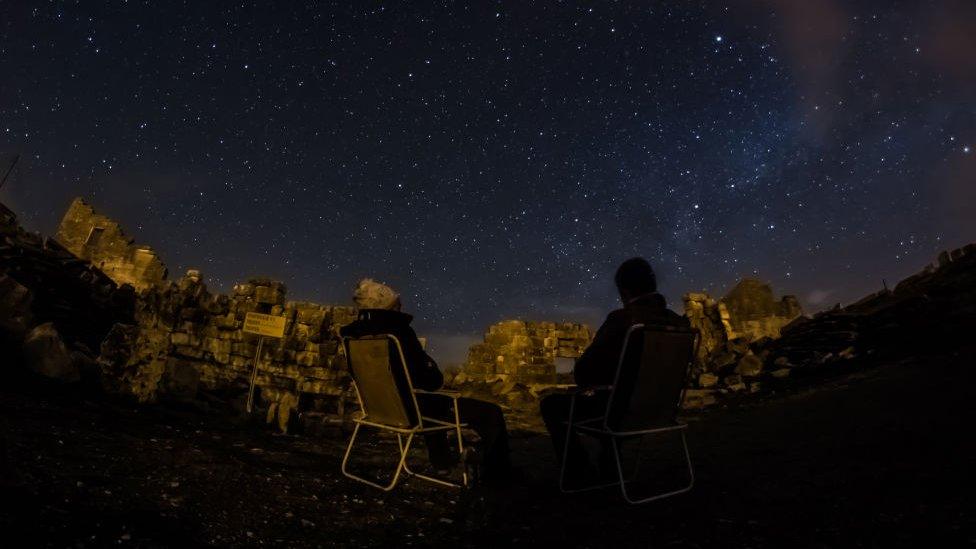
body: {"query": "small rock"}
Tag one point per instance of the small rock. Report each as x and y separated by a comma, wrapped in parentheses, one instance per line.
(707, 380)
(734, 383)
(698, 398)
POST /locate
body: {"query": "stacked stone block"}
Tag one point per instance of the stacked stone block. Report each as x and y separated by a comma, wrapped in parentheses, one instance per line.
(523, 351)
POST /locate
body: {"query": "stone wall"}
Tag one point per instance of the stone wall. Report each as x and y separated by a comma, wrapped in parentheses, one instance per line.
(187, 339)
(711, 318)
(517, 350)
(754, 313)
(734, 333)
(100, 240)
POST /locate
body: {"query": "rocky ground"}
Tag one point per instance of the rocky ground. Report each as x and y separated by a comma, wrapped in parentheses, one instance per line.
(879, 457)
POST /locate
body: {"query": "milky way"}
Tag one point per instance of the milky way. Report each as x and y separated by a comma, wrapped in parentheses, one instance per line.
(499, 160)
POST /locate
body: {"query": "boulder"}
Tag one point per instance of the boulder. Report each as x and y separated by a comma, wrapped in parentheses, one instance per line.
(133, 360)
(180, 378)
(47, 355)
(698, 398)
(734, 383)
(749, 365)
(280, 409)
(15, 308)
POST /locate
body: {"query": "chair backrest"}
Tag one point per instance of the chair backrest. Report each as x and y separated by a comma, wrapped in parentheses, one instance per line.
(651, 377)
(382, 380)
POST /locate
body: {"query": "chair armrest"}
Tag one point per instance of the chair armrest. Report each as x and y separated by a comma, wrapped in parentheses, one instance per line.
(444, 392)
(587, 391)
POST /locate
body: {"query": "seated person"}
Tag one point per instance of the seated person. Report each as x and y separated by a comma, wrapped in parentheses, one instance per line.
(379, 313)
(597, 366)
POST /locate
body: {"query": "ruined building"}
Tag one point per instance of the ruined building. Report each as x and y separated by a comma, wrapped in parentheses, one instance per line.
(187, 339)
(749, 311)
(516, 350)
(102, 241)
(755, 313)
(734, 332)
(184, 339)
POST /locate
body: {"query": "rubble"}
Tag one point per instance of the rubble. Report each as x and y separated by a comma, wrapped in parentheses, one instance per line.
(927, 313)
(734, 331)
(60, 285)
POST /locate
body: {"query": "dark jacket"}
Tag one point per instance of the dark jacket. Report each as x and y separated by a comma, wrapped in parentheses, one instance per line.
(423, 370)
(598, 364)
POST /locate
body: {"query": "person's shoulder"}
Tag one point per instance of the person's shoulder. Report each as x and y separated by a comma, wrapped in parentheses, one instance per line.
(618, 314)
(352, 329)
(677, 319)
(618, 317)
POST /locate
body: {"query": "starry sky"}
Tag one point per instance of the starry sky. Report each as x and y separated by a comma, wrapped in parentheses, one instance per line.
(499, 159)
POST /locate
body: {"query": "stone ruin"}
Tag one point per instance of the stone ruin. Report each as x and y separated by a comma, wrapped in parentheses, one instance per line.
(67, 319)
(516, 363)
(929, 313)
(749, 311)
(733, 331)
(100, 240)
(136, 333)
(516, 350)
(46, 288)
(754, 312)
(187, 340)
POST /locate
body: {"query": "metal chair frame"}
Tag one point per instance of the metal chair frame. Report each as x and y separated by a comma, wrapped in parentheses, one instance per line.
(599, 426)
(406, 432)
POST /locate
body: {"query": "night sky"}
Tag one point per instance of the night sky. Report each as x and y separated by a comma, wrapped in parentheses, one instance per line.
(498, 160)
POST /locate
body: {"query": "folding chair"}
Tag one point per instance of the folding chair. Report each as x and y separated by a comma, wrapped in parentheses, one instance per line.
(648, 388)
(388, 402)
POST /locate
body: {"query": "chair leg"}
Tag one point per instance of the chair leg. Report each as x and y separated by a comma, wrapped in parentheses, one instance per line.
(569, 433)
(404, 449)
(460, 441)
(442, 482)
(562, 467)
(623, 483)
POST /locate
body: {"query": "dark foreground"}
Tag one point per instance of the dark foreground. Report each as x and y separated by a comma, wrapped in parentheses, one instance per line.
(881, 458)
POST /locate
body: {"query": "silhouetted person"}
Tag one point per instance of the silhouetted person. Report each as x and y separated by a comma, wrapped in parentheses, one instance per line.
(379, 313)
(597, 366)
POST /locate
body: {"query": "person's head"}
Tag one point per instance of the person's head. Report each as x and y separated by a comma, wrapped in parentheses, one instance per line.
(634, 278)
(370, 294)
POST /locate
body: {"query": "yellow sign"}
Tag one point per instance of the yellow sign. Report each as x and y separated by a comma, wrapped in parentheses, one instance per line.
(265, 325)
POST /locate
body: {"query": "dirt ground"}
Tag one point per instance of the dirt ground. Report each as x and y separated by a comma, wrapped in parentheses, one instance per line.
(879, 458)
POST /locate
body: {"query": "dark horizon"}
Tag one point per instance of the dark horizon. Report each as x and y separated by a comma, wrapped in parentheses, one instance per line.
(499, 161)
